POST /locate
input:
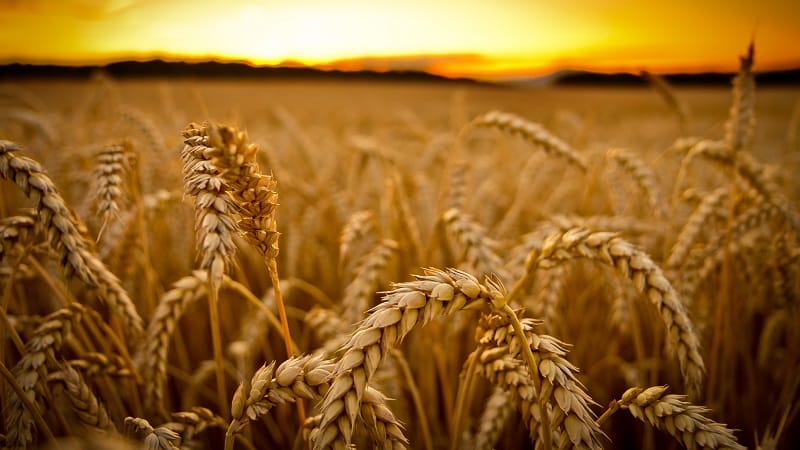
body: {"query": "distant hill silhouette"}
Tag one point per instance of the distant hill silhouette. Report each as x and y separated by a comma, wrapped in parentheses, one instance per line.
(215, 69)
(578, 78)
(212, 69)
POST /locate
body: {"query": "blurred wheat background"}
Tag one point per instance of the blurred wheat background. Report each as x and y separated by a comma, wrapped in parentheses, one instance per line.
(626, 259)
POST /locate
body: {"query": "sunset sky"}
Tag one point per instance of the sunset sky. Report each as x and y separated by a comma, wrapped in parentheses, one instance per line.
(484, 39)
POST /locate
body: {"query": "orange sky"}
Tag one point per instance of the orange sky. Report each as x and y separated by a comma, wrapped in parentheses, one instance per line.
(482, 38)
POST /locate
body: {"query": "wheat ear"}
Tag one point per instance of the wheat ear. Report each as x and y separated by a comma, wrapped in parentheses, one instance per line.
(358, 294)
(62, 227)
(89, 410)
(437, 293)
(480, 252)
(742, 118)
(496, 414)
(532, 132)
(499, 357)
(41, 349)
(644, 176)
(647, 277)
(710, 205)
(673, 414)
(110, 173)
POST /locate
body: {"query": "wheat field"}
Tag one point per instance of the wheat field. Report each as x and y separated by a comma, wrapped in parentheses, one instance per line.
(299, 264)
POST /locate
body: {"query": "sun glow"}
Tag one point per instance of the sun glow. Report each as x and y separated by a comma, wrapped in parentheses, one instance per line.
(475, 38)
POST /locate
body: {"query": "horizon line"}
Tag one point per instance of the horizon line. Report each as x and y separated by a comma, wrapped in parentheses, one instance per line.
(422, 63)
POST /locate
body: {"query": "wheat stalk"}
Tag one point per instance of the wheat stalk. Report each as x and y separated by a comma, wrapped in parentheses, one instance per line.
(672, 413)
(62, 227)
(644, 176)
(532, 132)
(110, 172)
(437, 293)
(480, 252)
(494, 418)
(709, 206)
(358, 294)
(86, 406)
(647, 277)
(499, 359)
(740, 126)
(41, 351)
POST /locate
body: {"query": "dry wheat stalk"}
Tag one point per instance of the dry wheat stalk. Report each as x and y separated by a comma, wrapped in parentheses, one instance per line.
(457, 188)
(532, 132)
(741, 122)
(665, 90)
(785, 266)
(709, 206)
(358, 295)
(384, 428)
(110, 173)
(673, 414)
(14, 232)
(89, 410)
(306, 377)
(644, 176)
(621, 308)
(214, 219)
(151, 358)
(752, 171)
(529, 242)
(381, 424)
(647, 277)
(94, 364)
(187, 424)
(159, 438)
(753, 218)
(34, 120)
(499, 360)
(622, 224)
(549, 285)
(146, 128)
(41, 348)
(63, 231)
(358, 231)
(437, 293)
(480, 251)
(496, 414)
(326, 323)
(301, 377)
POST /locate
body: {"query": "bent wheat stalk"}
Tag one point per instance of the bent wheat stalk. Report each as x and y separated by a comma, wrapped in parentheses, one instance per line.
(647, 277)
(558, 394)
(64, 235)
(532, 132)
(672, 413)
(437, 293)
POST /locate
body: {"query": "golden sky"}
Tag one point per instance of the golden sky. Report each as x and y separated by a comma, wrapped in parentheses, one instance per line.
(483, 38)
